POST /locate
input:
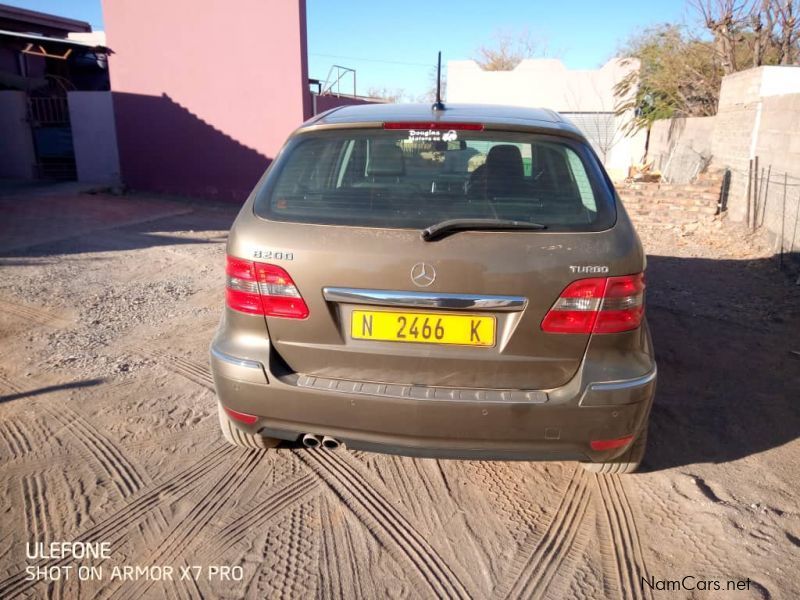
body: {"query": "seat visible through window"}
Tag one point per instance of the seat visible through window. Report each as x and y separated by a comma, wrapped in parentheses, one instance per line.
(501, 175)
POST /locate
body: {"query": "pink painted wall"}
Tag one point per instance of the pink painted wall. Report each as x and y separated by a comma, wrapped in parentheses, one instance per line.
(205, 91)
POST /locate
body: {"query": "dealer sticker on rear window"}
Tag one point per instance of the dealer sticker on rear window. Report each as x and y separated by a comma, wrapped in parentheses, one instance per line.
(432, 135)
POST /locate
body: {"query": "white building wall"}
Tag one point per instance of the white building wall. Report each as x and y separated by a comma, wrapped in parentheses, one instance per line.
(547, 83)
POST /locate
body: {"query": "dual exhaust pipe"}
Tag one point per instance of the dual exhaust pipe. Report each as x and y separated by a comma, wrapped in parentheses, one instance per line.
(320, 441)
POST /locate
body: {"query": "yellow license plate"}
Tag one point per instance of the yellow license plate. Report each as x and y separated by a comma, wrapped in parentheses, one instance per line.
(428, 328)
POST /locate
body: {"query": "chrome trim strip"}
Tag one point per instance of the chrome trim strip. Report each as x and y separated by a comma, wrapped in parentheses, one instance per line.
(625, 384)
(425, 299)
(238, 362)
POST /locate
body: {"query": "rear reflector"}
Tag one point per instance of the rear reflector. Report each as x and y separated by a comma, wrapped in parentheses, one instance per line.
(436, 125)
(611, 444)
(262, 289)
(598, 305)
(241, 417)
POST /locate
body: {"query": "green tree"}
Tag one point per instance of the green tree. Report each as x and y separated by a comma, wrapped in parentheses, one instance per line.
(679, 75)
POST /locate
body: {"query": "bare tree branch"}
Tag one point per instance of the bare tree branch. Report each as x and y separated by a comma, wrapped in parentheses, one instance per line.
(724, 18)
(762, 21)
(788, 29)
(509, 49)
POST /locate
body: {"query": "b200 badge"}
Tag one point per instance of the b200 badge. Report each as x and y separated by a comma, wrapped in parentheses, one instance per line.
(273, 255)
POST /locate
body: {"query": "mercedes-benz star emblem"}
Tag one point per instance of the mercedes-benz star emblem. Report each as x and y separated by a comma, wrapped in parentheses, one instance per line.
(423, 274)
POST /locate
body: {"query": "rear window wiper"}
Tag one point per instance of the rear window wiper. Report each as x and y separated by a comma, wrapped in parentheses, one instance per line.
(445, 228)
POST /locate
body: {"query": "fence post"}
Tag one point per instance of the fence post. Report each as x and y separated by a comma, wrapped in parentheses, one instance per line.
(749, 191)
(763, 204)
(783, 217)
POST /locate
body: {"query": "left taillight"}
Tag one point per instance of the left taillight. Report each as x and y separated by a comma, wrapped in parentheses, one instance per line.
(262, 289)
(598, 305)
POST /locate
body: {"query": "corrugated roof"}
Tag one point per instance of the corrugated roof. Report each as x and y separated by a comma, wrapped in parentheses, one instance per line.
(23, 15)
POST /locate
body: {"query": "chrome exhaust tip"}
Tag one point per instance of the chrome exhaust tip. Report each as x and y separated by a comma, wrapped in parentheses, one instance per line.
(330, 443)
(311, 441)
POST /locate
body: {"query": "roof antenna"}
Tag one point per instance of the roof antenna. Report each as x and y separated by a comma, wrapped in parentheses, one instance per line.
(438, 105)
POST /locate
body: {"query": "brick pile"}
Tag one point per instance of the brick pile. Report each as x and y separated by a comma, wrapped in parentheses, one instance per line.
(666, 204)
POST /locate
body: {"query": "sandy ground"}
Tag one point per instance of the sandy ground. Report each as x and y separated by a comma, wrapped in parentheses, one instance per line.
(108, 433)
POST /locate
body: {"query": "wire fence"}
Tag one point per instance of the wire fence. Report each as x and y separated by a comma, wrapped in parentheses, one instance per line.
(773, 203)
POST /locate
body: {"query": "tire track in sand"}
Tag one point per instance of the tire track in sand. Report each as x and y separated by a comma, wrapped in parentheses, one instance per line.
(185, 533)
(286, 563)
(36, 507)
(6, 385)
(297, 490)
(126, 476)
(339, 573)
(115, 526)
(537, 562)
(121, 472)
(39, 316)
(622, 540)
(16, 438)
(14, 435)
(394, 530)
(39, 521)
(189, 369)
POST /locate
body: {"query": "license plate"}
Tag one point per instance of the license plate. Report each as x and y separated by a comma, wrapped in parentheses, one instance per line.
(427, 328)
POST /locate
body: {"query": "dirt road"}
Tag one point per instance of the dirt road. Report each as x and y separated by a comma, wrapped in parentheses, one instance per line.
(108, 433)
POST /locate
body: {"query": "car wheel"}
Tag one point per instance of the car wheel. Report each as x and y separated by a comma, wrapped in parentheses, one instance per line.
(237, 437)
(627, 462)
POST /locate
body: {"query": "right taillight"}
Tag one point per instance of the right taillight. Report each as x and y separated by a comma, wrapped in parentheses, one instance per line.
(598, 305)
(262, 289)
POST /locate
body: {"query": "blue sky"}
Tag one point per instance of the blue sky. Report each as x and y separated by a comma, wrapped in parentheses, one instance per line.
(394, 44)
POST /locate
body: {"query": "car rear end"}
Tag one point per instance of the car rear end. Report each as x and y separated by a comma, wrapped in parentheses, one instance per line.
(526, 341)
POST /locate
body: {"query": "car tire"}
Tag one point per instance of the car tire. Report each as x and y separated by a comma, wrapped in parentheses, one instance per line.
(237, 437)
(627, 462)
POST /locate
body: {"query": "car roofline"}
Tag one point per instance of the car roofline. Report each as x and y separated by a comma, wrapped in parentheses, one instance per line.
(490, 116)
(519, 127)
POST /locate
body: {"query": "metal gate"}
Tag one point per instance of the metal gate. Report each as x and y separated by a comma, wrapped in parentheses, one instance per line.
(600, 128)
(52, 137)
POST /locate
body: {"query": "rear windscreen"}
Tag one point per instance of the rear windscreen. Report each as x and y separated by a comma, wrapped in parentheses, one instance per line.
(416, 178)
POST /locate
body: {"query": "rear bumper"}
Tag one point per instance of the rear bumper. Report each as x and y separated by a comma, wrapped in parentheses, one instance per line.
(556, 424)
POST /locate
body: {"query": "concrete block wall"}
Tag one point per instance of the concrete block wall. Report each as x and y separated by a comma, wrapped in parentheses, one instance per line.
(680, 147)
(758, 116)
(731, 147)
(778, 151)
